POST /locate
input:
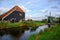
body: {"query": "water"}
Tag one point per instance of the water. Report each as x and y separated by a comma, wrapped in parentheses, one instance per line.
(24, 36)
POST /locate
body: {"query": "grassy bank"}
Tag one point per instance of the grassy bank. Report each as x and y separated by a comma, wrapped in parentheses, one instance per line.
(23, 24)
(47, 34)
(7, 27)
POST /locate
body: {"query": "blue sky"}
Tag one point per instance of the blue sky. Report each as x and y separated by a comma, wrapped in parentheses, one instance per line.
(34, 9)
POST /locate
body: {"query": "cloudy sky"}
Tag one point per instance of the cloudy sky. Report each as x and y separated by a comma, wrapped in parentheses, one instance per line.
(34, 9)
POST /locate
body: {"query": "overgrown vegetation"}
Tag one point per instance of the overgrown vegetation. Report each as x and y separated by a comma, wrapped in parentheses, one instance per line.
(48, 34)
(7, 27)
(4, 24)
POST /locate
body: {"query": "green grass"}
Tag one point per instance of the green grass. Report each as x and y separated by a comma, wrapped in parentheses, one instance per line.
(48, 34)
(39, 23)
(6, 27)
(23, 24)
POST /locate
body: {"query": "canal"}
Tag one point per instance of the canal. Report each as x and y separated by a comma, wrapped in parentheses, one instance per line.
(24, 35)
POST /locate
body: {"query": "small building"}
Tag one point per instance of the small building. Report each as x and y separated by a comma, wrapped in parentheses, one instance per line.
(14, 15)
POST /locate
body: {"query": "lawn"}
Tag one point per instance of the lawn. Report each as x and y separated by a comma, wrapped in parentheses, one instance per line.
(39, 23)
(48, 34)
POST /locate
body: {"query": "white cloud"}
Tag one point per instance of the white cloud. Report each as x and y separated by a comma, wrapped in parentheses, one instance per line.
(53, 0)
(56, 13)
(36, 16)
(25, 9)
(28, 3)
(55, 7)
(2, 10)
(44, 11)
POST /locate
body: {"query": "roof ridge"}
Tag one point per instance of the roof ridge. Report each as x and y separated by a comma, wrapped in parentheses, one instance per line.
(17, 8)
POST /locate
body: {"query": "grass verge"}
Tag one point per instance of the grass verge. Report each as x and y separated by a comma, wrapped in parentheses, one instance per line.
(48, 34)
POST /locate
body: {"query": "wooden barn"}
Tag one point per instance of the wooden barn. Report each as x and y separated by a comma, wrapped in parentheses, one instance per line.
(14, 15)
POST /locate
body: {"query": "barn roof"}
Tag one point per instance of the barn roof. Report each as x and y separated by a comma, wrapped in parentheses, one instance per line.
(17, 8)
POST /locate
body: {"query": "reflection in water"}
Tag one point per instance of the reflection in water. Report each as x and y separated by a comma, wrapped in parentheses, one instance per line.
(0, 38)
(25, 35)
(6, 37)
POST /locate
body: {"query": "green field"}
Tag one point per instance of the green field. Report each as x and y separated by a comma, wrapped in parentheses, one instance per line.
(48, 34)
(22, 24)
(39, 23)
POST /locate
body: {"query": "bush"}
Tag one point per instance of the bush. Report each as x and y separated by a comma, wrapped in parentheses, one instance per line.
(4, 24)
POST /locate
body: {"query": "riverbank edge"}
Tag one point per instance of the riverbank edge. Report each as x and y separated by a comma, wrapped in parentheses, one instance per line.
(44, 35)
(17, 29)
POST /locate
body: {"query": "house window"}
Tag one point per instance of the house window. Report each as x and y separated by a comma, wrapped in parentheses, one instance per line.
(20, 14)
(13, 20)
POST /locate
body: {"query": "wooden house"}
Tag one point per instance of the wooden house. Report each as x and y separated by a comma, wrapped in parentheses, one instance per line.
(14, 15)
